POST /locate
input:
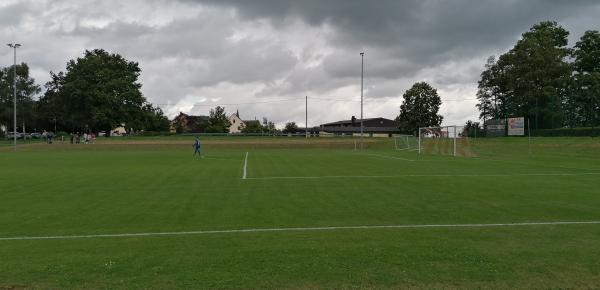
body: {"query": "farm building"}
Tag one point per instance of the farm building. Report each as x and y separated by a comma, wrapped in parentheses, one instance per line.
(237, 124)
(374, 127)
(185, 123)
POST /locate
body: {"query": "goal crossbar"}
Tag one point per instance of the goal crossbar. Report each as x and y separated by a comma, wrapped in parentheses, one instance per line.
(448, 132)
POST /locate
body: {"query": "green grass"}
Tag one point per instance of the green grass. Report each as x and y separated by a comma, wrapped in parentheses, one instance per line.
(136, 186)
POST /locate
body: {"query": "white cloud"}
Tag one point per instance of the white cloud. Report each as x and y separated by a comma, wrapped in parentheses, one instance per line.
(263, 57)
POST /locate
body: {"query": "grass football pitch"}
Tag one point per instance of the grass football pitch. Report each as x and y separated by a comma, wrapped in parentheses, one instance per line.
(290, 213)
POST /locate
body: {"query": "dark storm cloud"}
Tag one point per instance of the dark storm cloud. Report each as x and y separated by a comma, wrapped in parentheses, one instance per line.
(195, 54)
(404, 36)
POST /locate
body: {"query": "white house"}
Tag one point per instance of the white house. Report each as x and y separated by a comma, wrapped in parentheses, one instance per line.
(236, 123)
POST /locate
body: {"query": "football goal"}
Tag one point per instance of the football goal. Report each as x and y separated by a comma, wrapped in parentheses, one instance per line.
(405, 142)
(438, 140)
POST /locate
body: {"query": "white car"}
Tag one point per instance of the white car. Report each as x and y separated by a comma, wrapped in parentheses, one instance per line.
(11, 135)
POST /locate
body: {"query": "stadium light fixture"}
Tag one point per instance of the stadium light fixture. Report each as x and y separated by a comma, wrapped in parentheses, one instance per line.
(14, 46)
(362, 57)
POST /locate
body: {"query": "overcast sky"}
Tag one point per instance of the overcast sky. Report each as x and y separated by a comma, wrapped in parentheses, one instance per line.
(262, 57)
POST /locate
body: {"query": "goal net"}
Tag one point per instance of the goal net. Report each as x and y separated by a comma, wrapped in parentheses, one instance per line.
(438, 140)
(406, 142)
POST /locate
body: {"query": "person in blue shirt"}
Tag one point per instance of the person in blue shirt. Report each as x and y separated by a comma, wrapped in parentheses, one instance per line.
(197, 147)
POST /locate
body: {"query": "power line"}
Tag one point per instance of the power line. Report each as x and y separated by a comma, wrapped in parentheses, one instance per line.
(458, 100)
(374, 100)
(259, 102)
(232, 104)
(333, 100)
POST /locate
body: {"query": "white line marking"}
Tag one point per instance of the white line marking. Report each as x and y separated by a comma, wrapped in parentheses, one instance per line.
(407, 149)
(228, 159)
(245, 165)
(388, 157)
(125, 235)
(424, 175)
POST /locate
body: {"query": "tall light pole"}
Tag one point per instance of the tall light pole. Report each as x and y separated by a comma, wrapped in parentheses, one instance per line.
(306, 116)
(362, 57)
(14, 46)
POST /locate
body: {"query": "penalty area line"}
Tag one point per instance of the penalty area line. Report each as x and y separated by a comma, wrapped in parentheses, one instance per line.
(421, 175)
(388, 157)
(245, 166)
(305, 229)
(223, 159)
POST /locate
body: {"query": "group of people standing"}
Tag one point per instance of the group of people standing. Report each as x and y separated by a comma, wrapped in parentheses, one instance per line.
(85, 138)
(49, 135)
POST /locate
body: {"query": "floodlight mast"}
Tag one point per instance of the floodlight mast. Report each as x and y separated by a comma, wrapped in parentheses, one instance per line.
(14, 47)
(306, 116)
(362, 57)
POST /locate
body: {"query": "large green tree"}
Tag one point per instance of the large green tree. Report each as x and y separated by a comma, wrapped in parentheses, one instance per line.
(97, 92)
(268, 126)
(26, 91)
(252, 127)
(584, 100)
(218, 121)
(530, 80)
(151, 118)
(472, 129)
(290, 127)
(419, 108)
(491, 94)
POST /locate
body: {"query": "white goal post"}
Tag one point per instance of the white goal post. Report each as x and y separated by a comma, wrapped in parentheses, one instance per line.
(442, 140)
(405, 142)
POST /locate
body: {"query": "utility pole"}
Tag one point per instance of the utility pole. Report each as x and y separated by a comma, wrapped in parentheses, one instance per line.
(306, 115)
(15, 46)
(362, 57)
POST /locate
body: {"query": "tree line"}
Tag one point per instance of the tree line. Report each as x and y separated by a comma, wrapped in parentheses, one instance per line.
(540, 78)
(544, 80)
(219, 123)
(97, 92)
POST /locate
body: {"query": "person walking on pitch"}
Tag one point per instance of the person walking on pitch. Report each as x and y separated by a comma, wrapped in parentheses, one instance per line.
(197, 147)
